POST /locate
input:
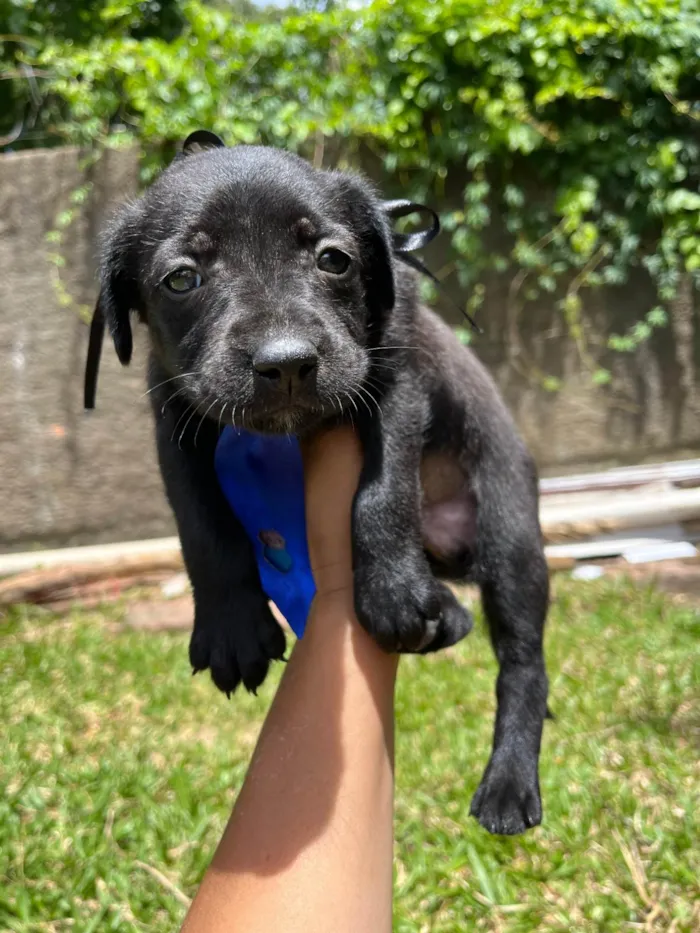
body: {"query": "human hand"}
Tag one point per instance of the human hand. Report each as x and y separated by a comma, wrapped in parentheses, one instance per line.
(332, 465)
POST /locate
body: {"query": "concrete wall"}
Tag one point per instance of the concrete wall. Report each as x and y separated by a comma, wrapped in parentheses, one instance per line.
(71, 478)
(649, 411)
(67, 477)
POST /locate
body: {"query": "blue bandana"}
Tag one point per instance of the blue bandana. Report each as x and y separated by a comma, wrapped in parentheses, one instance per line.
(262, 478)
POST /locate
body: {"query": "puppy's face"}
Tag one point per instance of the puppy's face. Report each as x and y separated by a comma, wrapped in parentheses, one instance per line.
(263, 283)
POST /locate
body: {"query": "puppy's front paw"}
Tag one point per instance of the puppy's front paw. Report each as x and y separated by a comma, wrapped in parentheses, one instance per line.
(237, 642)
(407, 610)
(508, 800)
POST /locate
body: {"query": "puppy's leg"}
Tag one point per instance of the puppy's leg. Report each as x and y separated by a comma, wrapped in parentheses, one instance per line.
(235, 635)
(512, 571)
(397, 598)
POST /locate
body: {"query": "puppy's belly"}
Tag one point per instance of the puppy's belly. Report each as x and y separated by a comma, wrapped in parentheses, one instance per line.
(448, 508)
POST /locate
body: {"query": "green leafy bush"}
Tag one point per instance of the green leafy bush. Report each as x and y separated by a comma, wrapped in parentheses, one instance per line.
(573, 125)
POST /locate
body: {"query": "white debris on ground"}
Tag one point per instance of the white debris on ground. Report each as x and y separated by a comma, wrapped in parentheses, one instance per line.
(643, 514)
(175, 586)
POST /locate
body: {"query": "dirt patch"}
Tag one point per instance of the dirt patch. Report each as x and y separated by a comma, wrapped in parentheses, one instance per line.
(159, 614)
(680, 578)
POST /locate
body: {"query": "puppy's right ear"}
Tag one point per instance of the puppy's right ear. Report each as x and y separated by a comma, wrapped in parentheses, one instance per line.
(201, 140)
(119, 296)
(119, 270)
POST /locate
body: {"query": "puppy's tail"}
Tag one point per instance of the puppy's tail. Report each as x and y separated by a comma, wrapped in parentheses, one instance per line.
(92, 363)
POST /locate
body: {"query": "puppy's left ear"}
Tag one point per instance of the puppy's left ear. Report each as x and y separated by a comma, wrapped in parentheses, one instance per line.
(408, 242)
(201, 140)
(119, 296)
(385, 242)
(405, 243)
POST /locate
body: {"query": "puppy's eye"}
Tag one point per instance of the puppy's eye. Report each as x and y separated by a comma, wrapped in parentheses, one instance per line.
(182, 280)
(334, 261)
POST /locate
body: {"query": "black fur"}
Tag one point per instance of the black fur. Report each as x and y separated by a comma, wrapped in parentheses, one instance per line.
(253, 222)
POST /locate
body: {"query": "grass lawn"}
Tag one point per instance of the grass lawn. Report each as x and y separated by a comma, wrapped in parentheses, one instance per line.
(115, 762)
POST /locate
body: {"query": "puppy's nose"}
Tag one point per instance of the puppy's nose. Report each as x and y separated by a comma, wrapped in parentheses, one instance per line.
(286, 363)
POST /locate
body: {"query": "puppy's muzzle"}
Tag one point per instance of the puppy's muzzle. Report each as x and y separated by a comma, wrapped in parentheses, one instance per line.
(286, 367)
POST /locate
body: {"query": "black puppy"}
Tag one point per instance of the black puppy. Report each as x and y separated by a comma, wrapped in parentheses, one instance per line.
(275, 301)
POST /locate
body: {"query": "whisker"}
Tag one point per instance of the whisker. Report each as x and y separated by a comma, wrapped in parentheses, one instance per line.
(376, 387)
(362, 388)
(380, 349)
(352, 422)
(386, 364)
(165, 382)
(182, 433)
(221, 415)
(177, 423)
(361, 398)
(201, 420)
(170, 398)
(371, 350)
(352, 402)
(371, 394)
(233, 415)
(371, 398)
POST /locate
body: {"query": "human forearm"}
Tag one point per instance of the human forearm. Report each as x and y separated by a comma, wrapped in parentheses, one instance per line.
(308, 847)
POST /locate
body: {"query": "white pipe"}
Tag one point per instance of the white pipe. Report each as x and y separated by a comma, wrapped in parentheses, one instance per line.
(32, 560)
(673, 472)
(617, 512)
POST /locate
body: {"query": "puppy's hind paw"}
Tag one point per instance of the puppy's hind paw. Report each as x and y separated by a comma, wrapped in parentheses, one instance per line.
(507, 801)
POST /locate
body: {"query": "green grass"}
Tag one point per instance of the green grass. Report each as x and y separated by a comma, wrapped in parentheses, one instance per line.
(113, 756)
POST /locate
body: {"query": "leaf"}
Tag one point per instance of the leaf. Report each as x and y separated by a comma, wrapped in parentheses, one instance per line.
(682, 200)
(523, 138)
(513, 196)
(585, 239)
(657, 317)
(551, 384)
